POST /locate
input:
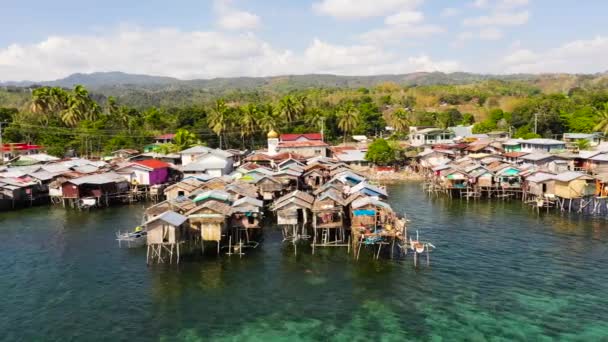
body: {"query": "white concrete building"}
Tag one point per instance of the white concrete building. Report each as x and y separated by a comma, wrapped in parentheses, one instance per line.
(430, 136)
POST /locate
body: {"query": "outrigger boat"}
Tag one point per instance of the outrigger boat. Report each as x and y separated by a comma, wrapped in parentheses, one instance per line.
(133, 239)
(419, 248)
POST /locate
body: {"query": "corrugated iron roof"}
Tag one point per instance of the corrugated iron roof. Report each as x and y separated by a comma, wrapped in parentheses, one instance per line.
(152, 164)
(169, 217)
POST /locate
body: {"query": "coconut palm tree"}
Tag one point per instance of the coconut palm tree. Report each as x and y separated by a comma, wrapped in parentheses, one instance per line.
(218, 118)
(400, 120)
(301, 102)
(583, 144)
(247, 120)
(314, 117)
(267, 118)
(112, 106)
(185, 139)
(288, 108)
(73, 113)
(348, 118)
(90, 109)
(602, 125)
(42, 101)
(76, 106)
(48, 102)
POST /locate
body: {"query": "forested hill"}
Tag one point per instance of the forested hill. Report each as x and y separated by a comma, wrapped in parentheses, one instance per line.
(98, 80)
(239, 111)
(144, 91)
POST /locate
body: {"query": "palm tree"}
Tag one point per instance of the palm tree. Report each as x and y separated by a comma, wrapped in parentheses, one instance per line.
(582, 144)
(288, 108)
(78, 106)
(400, 120)
(167, 148)
(73, 113)
(602, 125)
(247, 120)
(41, 101)
(89, 108)
(218, 118)
(185, 139)
(48, 102)
(267, 118)
(315, 117)
(301, 102)
(348, 118)
(112, 107)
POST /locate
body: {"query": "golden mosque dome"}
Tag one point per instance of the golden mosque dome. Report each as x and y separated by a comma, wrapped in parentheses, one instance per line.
(273, 134)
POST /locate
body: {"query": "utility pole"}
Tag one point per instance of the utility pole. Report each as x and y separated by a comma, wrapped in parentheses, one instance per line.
(322, 129)
(535, 123)
(1, 145)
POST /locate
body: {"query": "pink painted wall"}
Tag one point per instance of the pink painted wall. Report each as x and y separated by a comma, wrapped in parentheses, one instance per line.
(159, 176)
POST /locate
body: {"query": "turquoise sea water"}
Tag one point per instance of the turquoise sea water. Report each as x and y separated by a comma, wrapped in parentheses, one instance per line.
(500, 272)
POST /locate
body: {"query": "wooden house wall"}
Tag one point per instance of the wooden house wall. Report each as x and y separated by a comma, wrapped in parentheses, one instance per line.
(537, 188)
(574, 189)
(161, 232)
(70, 190)
(267, 185)
(599, 167)
(174, 193)
(485, 180)
(211, 228)
(288, 216)
(211, 231)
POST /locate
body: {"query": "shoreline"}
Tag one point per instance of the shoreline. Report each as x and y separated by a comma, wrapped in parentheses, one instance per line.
(390, 177)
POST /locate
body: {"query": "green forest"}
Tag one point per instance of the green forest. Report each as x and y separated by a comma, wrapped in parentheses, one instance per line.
(98, 122)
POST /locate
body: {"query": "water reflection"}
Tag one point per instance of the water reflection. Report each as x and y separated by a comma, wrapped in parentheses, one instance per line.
(500, 271)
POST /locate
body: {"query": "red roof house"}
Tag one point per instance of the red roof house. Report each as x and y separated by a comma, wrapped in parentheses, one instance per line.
(147, 172)
(301, 137)
(165, 138)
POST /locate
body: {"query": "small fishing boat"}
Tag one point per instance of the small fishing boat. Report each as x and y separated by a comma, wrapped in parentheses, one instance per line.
(133, 239)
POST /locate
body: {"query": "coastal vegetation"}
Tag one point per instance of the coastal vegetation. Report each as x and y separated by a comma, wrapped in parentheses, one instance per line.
(98, 121)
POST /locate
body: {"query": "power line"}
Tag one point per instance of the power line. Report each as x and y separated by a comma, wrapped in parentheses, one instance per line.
(87, 133)
(112, 132)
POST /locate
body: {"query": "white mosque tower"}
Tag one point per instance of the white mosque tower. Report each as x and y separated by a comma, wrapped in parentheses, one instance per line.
(273, 142)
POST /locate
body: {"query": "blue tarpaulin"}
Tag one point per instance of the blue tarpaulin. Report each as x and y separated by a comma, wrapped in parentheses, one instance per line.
(364, 212)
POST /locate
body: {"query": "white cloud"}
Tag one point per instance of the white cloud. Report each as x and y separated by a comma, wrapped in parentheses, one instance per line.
(353, 9)
(404, 18)
(368, 60)
(490, 33)
(499, 19)
(581, 56)
(230, 18)
(198, 54)
(407, 23)
(480, 3)
(465, 35)
(450, 12)
(395, 33)
(521, 56)
(239, 20)
(504, 4)
(507, 4)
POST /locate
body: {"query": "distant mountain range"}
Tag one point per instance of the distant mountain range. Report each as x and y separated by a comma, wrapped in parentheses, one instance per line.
(119, 79)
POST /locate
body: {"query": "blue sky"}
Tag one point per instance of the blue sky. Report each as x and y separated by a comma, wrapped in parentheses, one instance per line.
(219, 38)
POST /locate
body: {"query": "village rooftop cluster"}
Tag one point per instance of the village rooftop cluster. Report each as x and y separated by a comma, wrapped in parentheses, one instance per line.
(219, 199)
(543, 172)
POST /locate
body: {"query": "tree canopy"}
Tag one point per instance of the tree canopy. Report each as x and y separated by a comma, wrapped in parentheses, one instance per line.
(104, 120)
